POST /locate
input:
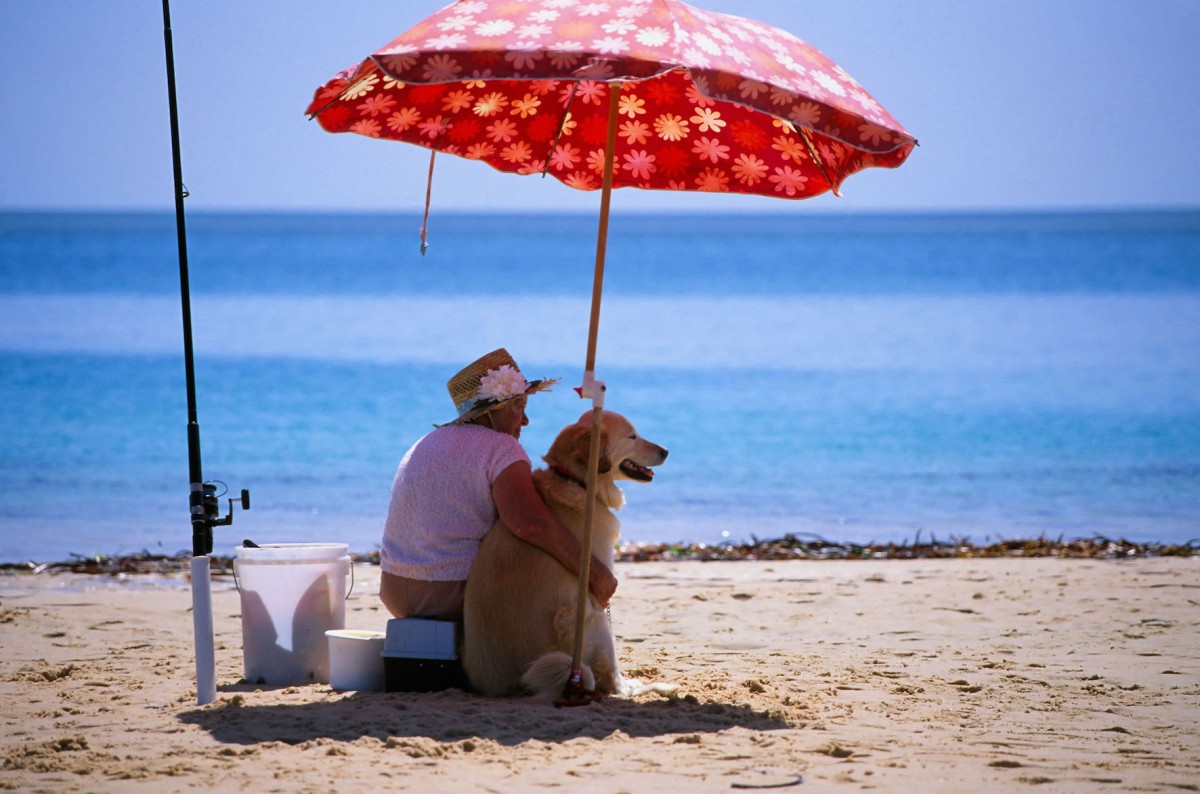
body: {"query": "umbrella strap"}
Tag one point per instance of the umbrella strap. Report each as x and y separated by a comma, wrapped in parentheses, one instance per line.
(428, 193)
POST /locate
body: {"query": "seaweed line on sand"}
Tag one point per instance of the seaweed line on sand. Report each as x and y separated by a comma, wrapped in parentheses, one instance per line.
(789, 547)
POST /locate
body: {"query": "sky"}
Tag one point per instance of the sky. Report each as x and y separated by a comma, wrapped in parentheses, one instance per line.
(1018, 105)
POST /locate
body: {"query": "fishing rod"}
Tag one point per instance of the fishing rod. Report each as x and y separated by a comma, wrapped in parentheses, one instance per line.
(203, 501)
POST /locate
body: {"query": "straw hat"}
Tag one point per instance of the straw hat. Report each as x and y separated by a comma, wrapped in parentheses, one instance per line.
(488, 383)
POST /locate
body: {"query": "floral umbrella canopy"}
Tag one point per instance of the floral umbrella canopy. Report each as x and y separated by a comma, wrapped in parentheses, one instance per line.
(653, 94)
(708, 101)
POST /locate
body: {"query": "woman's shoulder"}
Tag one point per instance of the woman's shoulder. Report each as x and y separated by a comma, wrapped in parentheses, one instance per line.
(472, 436)
(488, 449)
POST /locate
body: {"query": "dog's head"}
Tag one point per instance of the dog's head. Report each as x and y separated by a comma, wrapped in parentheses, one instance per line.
(624, 455)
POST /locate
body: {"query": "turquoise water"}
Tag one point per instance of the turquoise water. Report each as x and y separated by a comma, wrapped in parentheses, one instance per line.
(858, 378)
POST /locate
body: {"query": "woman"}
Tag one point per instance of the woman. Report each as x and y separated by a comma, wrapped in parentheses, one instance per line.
(452, 484)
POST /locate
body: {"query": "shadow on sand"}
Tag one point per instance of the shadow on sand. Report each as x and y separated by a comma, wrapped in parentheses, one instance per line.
(454, 715)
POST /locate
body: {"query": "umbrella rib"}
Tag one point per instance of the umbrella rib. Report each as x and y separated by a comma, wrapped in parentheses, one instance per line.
(358, 77)
(812, 151)
(561, 125)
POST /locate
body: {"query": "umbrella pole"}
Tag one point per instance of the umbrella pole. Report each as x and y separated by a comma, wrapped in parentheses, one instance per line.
(206, 690)
(594, 390)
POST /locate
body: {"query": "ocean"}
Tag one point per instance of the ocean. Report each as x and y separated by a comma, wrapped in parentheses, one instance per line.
(852, 377)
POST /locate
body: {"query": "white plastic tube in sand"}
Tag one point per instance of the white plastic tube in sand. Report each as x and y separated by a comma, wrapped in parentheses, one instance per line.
(202, 617)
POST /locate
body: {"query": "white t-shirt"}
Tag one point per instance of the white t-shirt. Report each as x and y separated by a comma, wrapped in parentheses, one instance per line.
(442, 501)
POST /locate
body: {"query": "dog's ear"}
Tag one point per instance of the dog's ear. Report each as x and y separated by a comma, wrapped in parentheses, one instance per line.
(565, 448)
(578, 439)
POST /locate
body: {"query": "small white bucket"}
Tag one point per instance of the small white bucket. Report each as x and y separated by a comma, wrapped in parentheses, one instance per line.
(292, 593)
(356, 660)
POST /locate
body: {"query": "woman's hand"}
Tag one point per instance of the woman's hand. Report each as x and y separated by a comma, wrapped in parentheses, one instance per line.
(601, 582)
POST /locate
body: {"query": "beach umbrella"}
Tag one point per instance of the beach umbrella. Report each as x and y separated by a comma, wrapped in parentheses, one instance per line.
(651, 94)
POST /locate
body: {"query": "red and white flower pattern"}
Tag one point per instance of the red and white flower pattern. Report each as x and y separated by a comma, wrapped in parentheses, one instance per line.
(708, 101)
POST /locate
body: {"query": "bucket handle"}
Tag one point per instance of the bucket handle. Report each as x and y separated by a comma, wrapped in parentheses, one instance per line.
(238, 585)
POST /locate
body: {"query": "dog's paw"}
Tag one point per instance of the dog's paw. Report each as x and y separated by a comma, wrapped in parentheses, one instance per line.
(632, 687)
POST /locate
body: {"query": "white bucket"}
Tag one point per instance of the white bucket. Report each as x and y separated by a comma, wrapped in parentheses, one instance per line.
(292, 593)
(356, 660)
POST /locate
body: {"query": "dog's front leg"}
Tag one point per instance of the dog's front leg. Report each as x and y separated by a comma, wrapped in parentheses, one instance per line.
(600, 652)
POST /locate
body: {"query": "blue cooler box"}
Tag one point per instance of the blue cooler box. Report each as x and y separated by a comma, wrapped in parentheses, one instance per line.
(421, 655)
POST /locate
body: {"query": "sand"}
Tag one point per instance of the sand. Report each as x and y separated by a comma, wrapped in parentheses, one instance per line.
(930, 676)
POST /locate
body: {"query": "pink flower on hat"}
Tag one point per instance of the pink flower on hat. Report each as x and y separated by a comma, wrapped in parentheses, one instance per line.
(502, 383)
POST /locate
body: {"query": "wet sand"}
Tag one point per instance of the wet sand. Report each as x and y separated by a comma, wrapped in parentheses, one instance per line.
(889, 675)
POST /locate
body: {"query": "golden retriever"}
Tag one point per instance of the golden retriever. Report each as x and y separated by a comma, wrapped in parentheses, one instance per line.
(520, 608)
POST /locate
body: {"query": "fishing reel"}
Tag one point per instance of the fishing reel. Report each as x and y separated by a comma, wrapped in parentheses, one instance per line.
(212, 506)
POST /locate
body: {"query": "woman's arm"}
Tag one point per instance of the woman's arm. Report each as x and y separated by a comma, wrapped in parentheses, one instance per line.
(522, 509)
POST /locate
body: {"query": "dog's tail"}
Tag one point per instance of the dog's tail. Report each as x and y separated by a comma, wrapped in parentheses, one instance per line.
(547, 676)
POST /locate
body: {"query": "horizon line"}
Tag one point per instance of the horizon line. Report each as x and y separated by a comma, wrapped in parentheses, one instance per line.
(623, 213)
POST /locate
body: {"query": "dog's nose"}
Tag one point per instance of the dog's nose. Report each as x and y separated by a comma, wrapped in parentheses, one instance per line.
(664, 452)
